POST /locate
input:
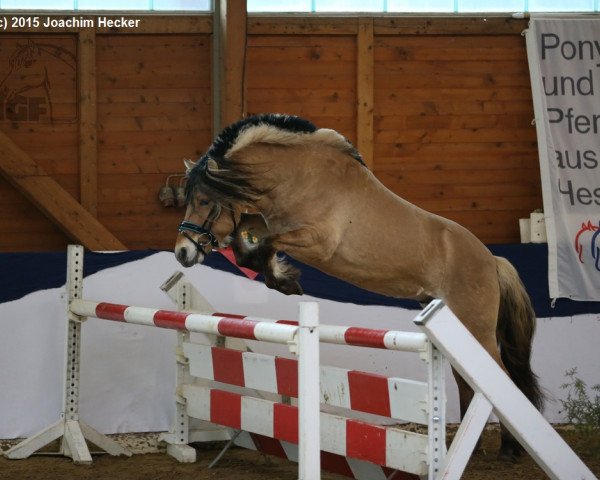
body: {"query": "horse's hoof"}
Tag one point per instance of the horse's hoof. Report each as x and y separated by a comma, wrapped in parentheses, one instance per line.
(287, 287)
(292, 288)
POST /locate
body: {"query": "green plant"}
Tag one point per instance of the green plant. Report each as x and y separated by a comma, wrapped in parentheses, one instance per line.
(580, 409)
(583, 413)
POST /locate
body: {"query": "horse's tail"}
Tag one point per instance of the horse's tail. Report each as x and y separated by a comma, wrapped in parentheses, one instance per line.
(516, 326)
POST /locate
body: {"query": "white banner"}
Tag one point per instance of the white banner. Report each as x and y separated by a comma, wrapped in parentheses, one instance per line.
(564, 63)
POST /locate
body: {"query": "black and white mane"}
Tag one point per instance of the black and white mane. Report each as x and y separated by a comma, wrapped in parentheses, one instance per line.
(224, 180)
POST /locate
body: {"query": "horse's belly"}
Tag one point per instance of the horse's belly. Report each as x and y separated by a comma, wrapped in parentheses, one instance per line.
(385, 281)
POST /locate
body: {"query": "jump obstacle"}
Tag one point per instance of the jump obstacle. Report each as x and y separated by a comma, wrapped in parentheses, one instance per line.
(353, 446)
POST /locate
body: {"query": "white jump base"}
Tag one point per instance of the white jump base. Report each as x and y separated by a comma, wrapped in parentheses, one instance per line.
(223, 383)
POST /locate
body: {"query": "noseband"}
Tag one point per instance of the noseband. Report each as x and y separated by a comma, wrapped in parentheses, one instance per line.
(206, 237)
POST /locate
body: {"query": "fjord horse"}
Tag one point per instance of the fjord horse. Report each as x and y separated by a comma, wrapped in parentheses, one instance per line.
(306, 192)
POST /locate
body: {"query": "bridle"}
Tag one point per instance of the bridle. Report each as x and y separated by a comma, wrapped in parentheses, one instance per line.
(206, 237)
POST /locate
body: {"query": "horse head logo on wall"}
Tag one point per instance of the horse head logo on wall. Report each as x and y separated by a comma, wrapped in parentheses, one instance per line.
(31, 82)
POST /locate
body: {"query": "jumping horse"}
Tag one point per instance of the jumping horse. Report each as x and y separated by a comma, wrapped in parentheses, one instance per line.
(306, 192)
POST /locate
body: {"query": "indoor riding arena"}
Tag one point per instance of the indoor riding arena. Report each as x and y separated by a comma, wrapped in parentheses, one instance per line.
(299, 239)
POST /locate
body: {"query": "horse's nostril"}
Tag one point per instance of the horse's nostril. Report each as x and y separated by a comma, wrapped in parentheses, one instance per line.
(182, 253)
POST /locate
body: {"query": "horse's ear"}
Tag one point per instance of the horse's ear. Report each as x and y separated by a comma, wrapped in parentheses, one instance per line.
(188, 164)
(212, 165)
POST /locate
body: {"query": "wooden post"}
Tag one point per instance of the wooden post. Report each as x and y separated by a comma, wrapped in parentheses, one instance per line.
(232, 54)
(364, 87)
(88, 152)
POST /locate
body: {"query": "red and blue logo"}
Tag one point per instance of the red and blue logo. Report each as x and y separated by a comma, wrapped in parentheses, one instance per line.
(592, 242)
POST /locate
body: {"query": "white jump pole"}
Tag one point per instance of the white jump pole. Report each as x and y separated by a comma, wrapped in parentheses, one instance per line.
(309, 448)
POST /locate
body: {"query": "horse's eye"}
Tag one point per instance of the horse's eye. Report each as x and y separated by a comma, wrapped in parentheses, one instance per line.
(204, 202)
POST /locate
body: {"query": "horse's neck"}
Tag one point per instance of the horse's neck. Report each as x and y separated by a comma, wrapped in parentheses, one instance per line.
(296, 199)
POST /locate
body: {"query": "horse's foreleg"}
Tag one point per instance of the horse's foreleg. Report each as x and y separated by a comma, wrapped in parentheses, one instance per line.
(247, 256)
(262, 258)
(281, 276)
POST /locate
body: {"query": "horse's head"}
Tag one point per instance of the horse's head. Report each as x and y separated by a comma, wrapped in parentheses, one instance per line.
(208, 223)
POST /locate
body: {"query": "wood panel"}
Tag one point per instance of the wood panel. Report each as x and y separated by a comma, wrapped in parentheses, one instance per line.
(453, 129)
(364, 80)
(388, 24)
(38, 113)
(231, 61)
(154, 110)
(88, 127)
(314, 76)
(55, 202)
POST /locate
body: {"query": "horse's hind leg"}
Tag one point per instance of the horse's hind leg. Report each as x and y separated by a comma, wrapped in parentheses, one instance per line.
(475, 301)
(510, 449)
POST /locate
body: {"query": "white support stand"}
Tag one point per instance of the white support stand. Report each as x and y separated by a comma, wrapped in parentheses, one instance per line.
(181, 434)
(494, 390)
(465, 440)
(436, 425)
(178, 438)
(73, 431)
(309, 403)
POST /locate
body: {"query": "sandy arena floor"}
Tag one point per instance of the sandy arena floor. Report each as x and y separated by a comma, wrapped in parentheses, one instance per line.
(239, 464)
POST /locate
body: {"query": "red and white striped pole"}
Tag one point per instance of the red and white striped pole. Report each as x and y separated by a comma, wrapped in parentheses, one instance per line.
(356, 336)
(192, 322)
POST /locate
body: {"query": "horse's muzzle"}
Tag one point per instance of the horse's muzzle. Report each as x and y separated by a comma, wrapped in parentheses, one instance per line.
(189, 255)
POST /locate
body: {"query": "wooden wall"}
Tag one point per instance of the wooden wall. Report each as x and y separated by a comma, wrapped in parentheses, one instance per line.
(151, 109)
(441, 108)
(453, 128)
(154, 110)
(26, 120)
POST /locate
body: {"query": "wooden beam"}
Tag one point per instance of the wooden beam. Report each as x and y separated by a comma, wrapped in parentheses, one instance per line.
(55, 202)
(364, 90)
(232, 53)
(449, 25)
(88, 147)
(301, 24)
(385, 24)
